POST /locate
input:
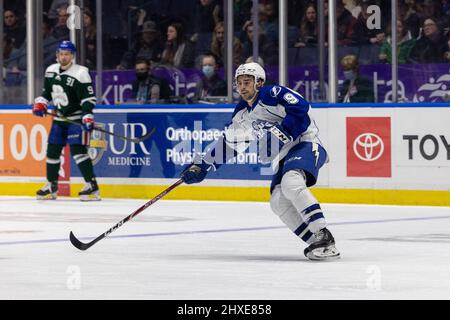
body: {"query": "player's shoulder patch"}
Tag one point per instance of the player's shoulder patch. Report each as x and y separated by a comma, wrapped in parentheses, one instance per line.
(275, 91)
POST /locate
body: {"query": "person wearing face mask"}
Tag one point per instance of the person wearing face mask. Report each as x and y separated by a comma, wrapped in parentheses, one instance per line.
(209, 84)
(148, 88)
(355, 88)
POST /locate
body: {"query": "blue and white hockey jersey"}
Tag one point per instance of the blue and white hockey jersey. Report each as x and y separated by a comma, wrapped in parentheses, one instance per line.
(274, 104)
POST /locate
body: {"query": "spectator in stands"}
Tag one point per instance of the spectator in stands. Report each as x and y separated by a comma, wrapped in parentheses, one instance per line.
(90, 34)
(55, 6)
(353, 6)
(447, 53)
(308, 28)
(14, 28)
(242, 12)
(267, 50)
(179, 51)
(18, 58)
(345, 25)
(60, 30)
(268, 21)
(210, 84)
(148, 88)
(431, 46)
(218, 45)
(149, 46)
(8, 47)
(405, 43)
(206, 17)
(355, 88)
(363, 34)
(19, 7)
(409, 14)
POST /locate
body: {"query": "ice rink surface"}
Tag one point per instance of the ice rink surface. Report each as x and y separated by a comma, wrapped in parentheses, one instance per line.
(218, 250)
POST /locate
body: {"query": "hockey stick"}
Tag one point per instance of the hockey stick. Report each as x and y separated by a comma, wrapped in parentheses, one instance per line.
(134, 140)
(84, 246)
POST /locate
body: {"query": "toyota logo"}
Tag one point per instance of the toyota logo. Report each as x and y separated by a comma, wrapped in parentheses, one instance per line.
(368, 147)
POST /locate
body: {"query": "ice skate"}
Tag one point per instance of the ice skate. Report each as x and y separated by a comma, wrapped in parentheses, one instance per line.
(323, 248)
(48, 192)
(90, 192)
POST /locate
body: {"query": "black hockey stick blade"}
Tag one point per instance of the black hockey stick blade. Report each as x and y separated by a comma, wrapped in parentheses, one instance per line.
(77, 243)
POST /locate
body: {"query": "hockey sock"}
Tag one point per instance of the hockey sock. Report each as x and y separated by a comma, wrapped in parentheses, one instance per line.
(83, 161)
(293, 186)
(53, 161)
(284, 209)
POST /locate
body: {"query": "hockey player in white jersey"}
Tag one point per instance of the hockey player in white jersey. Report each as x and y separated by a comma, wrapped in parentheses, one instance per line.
(277, 114)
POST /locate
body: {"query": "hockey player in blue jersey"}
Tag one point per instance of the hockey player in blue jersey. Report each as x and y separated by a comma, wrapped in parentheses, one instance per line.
(281, 115)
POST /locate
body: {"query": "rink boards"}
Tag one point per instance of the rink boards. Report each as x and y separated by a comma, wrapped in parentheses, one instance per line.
(379, 153)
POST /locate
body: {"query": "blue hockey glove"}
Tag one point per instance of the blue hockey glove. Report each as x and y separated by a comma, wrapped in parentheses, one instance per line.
(195, 173)
(88, 122)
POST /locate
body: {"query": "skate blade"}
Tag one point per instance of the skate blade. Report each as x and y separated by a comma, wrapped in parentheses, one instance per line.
(324, 254)
(50, 196)
(90, 197)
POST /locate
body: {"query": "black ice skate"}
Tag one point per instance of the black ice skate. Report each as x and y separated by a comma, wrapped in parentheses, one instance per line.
(323, 248)
(90, 192)
(48, 192)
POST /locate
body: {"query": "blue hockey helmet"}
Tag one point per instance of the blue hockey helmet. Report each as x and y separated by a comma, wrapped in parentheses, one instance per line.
(67, 45)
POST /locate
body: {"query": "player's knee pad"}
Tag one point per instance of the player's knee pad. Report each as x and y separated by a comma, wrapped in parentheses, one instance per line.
(278, 202)
(54, 151)
(79, 153)
(293, 183)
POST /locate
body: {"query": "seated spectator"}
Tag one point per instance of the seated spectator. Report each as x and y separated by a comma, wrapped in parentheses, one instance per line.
(60, 30)
(363, 35)
(179, 52)
(405, 43)
(355, 88)
(218, 45)
(206, 17)
(14, 28)
(409, 14)
(148, 88)
(431, 46)
(308, 28)
(90, 35)
(345, 25)
(447, 53)
(149, 47)
(55, 6)
(268, 21)
(210, 84)
(242, 12)
(8, 47)
(18, 58)
(267, 50)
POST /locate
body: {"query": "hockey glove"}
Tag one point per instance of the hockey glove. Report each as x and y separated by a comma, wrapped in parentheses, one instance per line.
(88, 122)
(195, 173)
(39, 107)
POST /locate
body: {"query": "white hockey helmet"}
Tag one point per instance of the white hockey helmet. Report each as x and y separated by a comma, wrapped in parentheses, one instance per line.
(251, 69)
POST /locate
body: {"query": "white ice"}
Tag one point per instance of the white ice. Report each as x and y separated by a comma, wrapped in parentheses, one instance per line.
(218, 250)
